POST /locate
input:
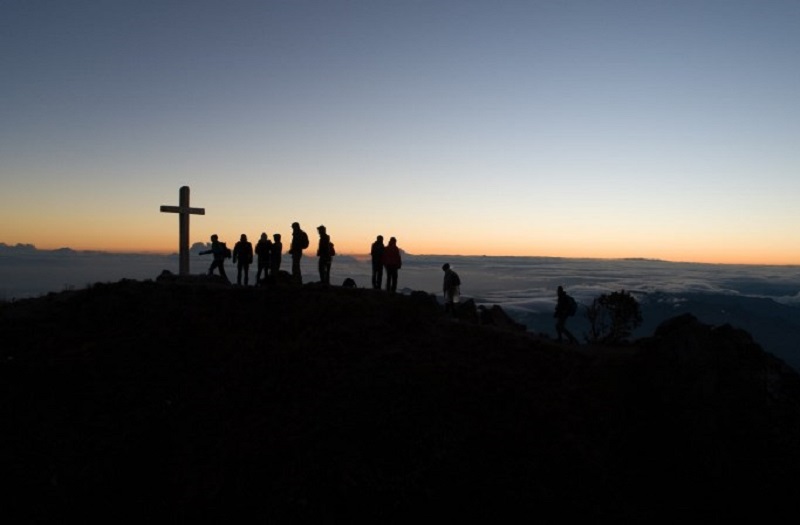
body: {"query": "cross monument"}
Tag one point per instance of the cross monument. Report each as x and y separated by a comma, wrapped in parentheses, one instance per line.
(183, 210)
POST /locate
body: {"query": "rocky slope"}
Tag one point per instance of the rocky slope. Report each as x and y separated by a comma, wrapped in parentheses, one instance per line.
(194, 400)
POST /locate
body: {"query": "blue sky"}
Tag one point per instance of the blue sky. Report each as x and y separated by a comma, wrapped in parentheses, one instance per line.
(566, 128)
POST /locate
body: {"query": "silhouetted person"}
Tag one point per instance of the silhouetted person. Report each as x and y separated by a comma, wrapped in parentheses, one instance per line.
(564, 309)
(263, 252)
(243, 257)
(392, 263)
(218, 250)
(324, 254)
(276, 256)
(299, 243)
(451, 288)
(377, 262)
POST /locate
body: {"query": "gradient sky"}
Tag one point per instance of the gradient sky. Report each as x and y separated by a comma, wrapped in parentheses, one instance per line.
(658, 129)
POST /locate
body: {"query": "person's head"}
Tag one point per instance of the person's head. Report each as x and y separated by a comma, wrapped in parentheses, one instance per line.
(276, 236)
(560, 290)
(263, 236)
(446, 266)
(321, 228)
(392, 240)
(214, 238)
(243, 237)
(380, 238)
(295, 225)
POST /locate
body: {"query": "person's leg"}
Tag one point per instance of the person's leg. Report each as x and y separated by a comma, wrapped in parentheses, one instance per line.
(571, 337)
(261, 268)
(216, 265)
(296, 268)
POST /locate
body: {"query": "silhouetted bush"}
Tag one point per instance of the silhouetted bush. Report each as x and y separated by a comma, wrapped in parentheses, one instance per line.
(613, 317)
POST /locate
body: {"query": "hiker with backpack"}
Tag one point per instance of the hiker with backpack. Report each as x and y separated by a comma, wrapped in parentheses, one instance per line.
(220, 252)
(565, 307)
(325, 253)
(451, 288)
(299, 243)
(243, 258)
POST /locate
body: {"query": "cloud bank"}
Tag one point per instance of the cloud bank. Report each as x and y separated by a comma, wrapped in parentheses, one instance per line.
(764, 300)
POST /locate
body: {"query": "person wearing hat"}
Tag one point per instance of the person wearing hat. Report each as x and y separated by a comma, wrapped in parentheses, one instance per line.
(324, 254)
(299, 243)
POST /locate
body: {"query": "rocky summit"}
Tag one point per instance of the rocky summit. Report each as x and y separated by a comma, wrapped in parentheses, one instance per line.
(190, 400)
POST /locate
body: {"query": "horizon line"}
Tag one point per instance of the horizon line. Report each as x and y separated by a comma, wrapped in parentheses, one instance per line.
(30, 246)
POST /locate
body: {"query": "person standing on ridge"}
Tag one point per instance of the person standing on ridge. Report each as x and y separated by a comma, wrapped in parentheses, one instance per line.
(325, 255)
(377, 262)
(263, 251)
(299, 243)
(451, 288)
(220, 252)
(276, 256)
(393, 263)
(565, 307)
(243, 256)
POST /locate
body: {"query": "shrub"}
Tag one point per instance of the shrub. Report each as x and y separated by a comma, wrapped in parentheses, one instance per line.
(613, 317)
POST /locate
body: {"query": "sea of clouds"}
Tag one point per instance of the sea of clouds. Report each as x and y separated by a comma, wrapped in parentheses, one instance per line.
(764, 300)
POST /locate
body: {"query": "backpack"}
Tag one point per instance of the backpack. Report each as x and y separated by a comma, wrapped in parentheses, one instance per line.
(226, 252)
(331, 250)
(456, 280)
(303, 240)
(572, 306)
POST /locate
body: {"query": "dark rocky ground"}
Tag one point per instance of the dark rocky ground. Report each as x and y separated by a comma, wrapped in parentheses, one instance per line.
(202, 402)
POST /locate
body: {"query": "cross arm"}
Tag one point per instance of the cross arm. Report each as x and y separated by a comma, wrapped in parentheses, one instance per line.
(183, 209)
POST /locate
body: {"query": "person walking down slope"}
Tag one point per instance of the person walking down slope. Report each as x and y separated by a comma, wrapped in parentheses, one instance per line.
(376, 251)
(219, 251)
(451, 288)
(392, 263)
(325, 254)
(565, 307)
(264, 252)
(243, 257)
(299, 243)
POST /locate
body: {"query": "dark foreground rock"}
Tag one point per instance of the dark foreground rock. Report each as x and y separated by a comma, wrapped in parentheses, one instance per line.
(199, 401)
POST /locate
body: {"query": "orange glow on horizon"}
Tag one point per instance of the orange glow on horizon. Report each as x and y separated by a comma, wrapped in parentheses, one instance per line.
(167, 244)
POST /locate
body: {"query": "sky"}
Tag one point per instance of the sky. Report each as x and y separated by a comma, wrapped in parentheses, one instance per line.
(601, 129)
